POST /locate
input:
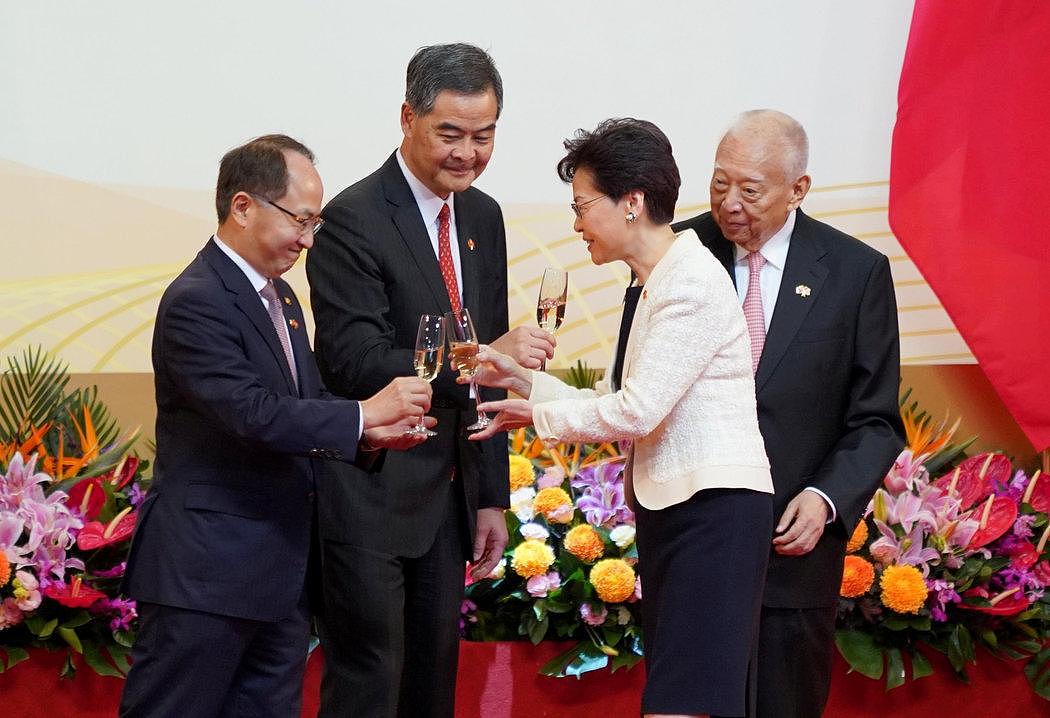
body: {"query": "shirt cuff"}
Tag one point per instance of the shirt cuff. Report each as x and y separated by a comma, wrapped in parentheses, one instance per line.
(830, 503)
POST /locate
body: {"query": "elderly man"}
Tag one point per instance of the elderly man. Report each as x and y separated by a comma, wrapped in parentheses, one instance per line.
(219, 560)
(822, 319)
(413, 238)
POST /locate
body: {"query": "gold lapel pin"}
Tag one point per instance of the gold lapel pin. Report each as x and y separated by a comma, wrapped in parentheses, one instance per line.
(294, 324)
(803, 291)
(288, 301)
(470, 244)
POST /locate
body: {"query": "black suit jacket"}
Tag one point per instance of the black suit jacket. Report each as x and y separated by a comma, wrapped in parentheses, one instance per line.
(226, 527)
(827, 387)
(372, 273)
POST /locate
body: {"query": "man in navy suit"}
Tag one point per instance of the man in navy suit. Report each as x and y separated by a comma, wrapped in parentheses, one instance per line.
(823, 323)
(219, 562)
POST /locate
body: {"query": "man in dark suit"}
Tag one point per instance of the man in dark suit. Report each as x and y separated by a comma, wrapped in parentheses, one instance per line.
(823, 323)
(219, 561)
(413, 238)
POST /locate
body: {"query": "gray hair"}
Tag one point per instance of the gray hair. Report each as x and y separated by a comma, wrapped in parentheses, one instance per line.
(776, 127)
(459, 67)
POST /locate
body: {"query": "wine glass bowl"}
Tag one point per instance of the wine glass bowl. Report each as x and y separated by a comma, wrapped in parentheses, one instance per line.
(428, 356)
(550, 306)
(463, 355)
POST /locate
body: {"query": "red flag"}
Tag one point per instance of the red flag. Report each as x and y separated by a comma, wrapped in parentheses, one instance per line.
(970, 185)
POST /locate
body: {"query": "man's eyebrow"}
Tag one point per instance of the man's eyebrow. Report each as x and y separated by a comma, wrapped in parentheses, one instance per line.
(451, 127)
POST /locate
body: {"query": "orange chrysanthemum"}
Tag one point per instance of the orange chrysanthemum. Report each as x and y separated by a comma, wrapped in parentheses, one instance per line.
(5, 571)
(860, 535)
(903, 588)
(613, 579)
(584, 543)
(550, 499)
(857, 577)
(531, 558)
(521, 472)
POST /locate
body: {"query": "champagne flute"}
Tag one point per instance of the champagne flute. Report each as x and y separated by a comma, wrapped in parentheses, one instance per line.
(430, 347)
(550, 307)
(463, 355)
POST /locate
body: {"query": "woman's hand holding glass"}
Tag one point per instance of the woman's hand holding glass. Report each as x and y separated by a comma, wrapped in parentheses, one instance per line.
(502, 372)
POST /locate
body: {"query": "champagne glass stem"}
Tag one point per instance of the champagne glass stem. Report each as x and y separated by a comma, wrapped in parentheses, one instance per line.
(483, 420)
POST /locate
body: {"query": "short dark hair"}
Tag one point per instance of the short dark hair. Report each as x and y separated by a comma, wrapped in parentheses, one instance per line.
(256, 167)
(459, 67)
(624, 155)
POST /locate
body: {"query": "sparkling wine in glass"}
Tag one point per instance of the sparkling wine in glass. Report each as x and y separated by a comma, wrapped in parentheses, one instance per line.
(463, 355)
(550, 307)
(430, 348)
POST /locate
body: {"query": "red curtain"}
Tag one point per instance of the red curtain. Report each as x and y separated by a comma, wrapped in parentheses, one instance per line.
(969, 185)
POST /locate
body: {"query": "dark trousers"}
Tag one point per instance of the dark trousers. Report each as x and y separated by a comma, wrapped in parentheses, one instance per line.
(390, 629)
(191, 663)
(794, 661)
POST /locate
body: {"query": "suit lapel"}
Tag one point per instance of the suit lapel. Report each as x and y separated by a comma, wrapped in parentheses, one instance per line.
(249, 303)
(468, 253)
(802, 271)
(409, 223)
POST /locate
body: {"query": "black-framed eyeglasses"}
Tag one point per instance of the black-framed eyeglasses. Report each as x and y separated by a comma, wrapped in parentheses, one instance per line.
(306, 224)
(577, 206)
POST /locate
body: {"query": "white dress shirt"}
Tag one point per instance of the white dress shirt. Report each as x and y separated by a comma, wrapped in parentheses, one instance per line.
(258, 281)
(429, 207)
(775, 251)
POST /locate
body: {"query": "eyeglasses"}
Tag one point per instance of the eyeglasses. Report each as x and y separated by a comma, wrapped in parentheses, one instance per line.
(306, 224)
(577, 206)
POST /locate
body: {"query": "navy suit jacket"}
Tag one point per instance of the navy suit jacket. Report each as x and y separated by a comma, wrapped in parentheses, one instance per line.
(827, 387)
(226, 527)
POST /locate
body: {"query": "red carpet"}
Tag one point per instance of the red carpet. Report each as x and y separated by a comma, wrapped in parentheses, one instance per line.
(499, 680)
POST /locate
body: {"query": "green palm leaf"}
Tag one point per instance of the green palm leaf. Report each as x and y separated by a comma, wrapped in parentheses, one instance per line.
(32, 392)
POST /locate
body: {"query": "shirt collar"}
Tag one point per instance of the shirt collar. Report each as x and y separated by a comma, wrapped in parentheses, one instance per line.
(257, 280)
(429, 203)
(775, 250)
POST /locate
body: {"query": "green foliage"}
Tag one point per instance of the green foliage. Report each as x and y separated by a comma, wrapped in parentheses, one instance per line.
(582, 376)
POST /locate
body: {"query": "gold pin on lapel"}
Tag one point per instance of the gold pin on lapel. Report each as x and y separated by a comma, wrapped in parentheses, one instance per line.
(470, 244)
(288, 301)
(803, 291)
(293, 323)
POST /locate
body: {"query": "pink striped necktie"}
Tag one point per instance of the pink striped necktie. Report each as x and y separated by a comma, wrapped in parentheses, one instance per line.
(753, 313)
(273, 307)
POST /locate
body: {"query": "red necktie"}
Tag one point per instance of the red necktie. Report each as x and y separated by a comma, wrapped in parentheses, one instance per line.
(753, 313)
(448, 269)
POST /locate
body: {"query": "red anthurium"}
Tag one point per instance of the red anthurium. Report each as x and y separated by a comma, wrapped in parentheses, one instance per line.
(95, 534)
(73, 595)
(1007, 603)
(997, 516)
(1024, 556)
(88, 496)
(1039, 497)
(124, 472)
(976, 477)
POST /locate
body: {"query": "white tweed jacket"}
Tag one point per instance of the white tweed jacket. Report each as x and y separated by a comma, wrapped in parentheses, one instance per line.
(687, 398)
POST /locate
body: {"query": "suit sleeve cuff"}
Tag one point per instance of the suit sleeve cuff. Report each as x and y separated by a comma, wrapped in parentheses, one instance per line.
(831, 504)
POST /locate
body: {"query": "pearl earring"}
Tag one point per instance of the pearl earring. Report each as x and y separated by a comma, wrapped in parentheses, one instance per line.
(631, 216)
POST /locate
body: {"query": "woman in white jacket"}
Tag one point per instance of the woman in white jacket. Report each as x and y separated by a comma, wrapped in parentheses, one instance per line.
(681, 388)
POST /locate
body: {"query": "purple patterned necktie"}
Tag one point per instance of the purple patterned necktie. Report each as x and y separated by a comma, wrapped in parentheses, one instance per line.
(273, 307)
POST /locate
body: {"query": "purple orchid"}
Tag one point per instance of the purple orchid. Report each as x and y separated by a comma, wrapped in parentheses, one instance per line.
(602, 498)
(941, 594)
(21, 482)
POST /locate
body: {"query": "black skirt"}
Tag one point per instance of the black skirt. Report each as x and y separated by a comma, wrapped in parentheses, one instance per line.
(703, 566)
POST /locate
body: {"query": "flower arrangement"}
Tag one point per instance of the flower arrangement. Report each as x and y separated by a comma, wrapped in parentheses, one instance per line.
(948, 562)
(68, 494)
(569, 567)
